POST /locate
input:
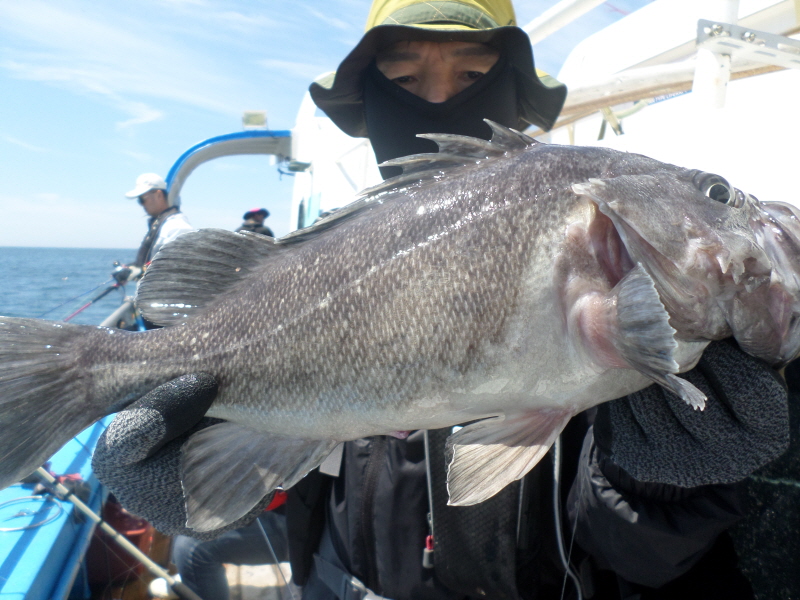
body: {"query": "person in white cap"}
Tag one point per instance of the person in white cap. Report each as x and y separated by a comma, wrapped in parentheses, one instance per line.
(166, 222)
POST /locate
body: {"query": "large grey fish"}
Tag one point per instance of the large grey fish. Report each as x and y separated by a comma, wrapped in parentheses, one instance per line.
(509, 282)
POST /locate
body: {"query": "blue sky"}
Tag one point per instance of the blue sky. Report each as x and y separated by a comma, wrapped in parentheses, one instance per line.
(94, 93)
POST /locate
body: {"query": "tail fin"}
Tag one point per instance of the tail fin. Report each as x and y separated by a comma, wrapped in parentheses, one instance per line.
(44, 396)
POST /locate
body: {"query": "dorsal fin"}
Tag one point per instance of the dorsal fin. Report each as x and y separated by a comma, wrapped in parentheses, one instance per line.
(508, 138)
(336, 217)
(454, 151)
(190, 272)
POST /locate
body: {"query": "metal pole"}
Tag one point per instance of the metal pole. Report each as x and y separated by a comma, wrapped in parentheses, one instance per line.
(124, 308)
(713, 69)
(178, 587)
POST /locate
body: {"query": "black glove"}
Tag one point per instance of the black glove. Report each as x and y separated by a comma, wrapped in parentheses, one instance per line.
(138, 455)
(656, 437)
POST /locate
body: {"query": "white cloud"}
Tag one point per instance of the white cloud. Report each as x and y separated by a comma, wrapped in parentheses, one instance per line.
(192, 3)
(305, 71)
(118, 58)
(332, 21)
(49, 197)
(87, 80)
(242, 22)
(23, 144)
(141, 157)
(141, 113)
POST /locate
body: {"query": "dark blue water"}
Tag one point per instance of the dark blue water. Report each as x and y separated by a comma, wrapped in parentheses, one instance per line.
(36, 280)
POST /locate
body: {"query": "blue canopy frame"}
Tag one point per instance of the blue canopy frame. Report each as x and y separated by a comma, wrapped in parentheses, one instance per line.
(277, 143)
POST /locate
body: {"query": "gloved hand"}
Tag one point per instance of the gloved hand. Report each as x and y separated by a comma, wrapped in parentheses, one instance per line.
(656, 437)
(138, 455)
(126, 273)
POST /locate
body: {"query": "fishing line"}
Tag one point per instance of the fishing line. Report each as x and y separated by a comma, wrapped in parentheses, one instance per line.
(26, 513)
(275, 557)
(75, 298)
(569, 558)
(568, 572)
(84, 446)
(180, 588)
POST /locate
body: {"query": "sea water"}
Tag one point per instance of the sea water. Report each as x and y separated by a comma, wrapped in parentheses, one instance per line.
(54, 283)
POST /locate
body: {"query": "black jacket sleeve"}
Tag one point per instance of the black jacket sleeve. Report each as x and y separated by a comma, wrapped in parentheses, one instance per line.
(647, 533)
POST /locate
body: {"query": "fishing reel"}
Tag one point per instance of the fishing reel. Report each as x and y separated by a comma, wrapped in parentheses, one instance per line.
(126, 273)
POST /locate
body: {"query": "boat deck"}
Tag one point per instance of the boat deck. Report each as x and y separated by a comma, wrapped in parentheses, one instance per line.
(43, 539)
(259, 582)
(247, 582)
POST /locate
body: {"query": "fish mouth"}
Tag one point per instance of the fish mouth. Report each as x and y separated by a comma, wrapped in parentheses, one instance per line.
(618, 247)
(780, 235)
(743, 283)
(608, 248)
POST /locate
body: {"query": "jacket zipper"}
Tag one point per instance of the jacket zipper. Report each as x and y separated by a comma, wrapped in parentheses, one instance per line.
(374, 463)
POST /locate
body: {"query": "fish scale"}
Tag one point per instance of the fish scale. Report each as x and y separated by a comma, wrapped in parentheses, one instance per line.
(507, 284)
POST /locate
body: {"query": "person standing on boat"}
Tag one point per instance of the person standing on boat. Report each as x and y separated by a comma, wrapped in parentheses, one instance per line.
(166, 222)
(254, 221)
(201, 563)
(364, 530)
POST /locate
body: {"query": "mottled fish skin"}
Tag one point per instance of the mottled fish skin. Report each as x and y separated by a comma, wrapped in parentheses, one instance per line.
(521, 281)
(372, 326)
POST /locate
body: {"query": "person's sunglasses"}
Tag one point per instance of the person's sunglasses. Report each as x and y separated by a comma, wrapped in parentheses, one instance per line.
(142, 197)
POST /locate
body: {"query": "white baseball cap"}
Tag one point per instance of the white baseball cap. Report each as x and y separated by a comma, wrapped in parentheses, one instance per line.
(146, 182)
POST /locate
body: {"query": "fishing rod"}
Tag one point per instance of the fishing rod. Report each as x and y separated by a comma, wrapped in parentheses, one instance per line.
(64, 494)
(47, 312)
(103, 294)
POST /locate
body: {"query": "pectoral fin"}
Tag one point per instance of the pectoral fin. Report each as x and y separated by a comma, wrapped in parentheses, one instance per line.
(228, 468)
(645, 339)
(486, 456)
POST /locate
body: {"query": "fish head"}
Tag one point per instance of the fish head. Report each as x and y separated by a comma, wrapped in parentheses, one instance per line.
(779, 233)
(723, 263)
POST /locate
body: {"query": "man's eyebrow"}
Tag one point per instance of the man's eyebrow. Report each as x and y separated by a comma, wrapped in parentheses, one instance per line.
(397, 56)
(478, 50)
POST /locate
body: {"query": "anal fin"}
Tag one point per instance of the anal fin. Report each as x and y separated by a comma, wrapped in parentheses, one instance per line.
(484, 457)
(226, 469)
(645, 338)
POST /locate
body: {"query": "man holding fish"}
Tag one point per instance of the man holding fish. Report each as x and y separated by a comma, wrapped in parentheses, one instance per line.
(645, 486)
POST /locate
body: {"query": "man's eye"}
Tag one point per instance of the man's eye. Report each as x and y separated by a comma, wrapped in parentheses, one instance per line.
(404, 79)
(473, 75)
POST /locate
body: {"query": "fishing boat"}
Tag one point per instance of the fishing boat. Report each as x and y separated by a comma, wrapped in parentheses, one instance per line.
(706, 84)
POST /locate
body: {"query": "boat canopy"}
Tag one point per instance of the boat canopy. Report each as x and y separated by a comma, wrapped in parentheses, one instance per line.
(277, 143)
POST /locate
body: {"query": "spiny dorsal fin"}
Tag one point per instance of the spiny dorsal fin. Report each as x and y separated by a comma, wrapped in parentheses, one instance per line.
(508, 138)
(190, 272)
(454, 151)
(462, 145)
(329, 221)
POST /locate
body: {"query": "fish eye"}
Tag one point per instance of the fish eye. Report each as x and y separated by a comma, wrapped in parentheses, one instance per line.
(715, 187)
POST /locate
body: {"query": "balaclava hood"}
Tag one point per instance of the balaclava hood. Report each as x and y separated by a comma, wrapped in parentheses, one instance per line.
(394, 116)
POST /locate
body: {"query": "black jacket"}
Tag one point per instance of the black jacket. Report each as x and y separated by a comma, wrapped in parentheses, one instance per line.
(255, 228)
(630, 538)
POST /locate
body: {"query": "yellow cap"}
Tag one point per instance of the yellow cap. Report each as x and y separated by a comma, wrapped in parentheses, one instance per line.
(444, 15)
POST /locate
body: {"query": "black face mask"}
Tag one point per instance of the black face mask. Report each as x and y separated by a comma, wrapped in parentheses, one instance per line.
(394, 116)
